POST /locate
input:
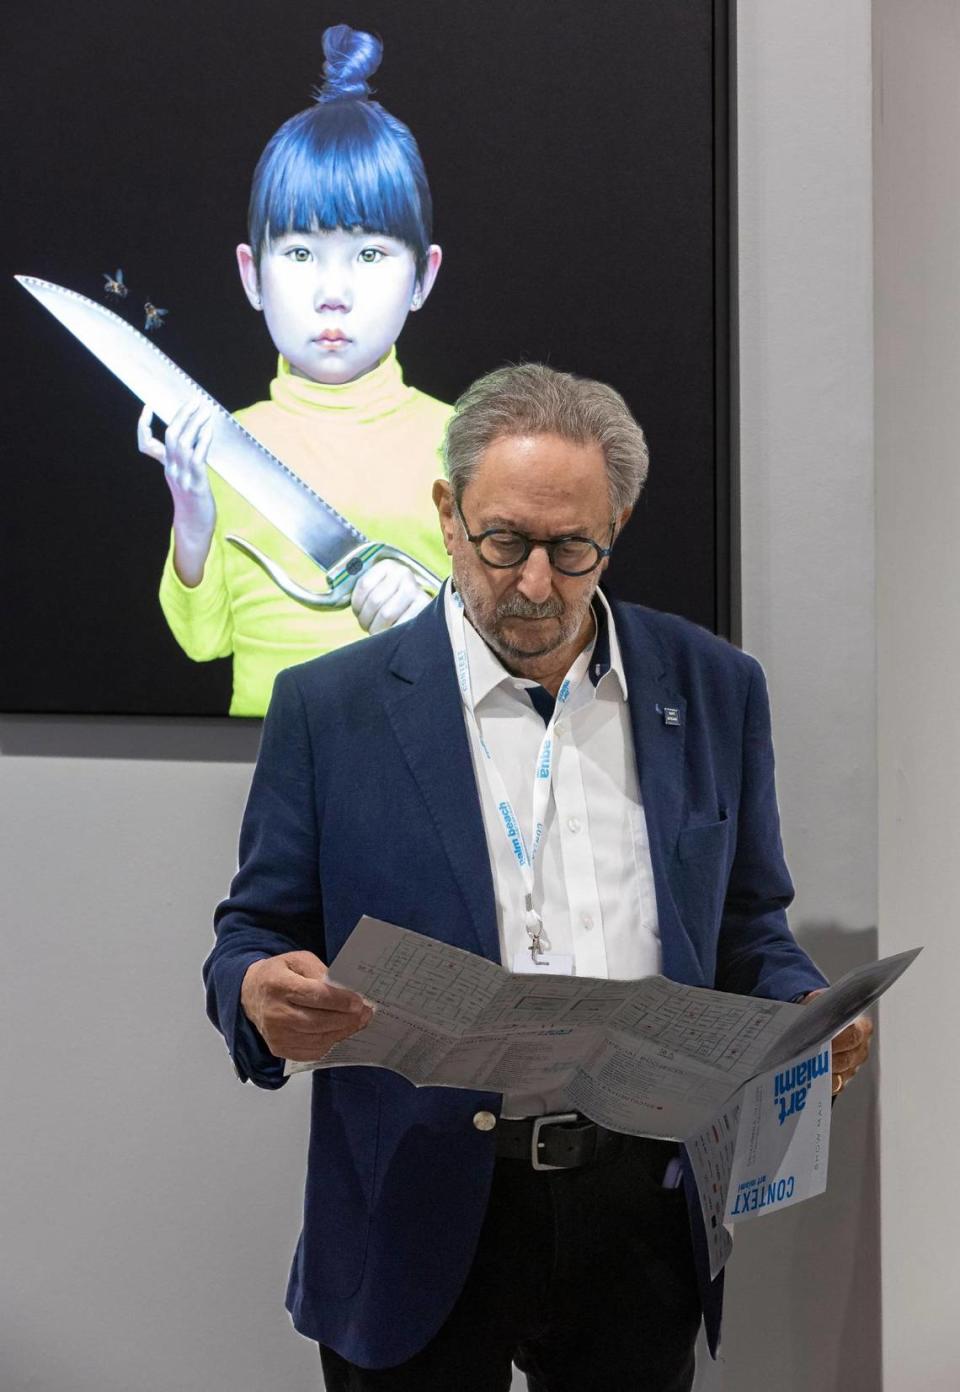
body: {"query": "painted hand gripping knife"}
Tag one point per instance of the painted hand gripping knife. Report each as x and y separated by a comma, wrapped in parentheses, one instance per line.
(277, 493)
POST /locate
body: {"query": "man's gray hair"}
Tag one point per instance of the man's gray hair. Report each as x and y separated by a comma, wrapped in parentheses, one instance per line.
(531, 399)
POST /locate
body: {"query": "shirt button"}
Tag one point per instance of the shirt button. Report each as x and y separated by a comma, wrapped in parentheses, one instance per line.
(573, 823)
(484, 1121)
(587, 922)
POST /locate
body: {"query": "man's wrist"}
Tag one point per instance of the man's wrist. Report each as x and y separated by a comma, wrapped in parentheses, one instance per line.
(248, 992)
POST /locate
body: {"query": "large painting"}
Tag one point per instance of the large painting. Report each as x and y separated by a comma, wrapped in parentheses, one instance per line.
(332, 218)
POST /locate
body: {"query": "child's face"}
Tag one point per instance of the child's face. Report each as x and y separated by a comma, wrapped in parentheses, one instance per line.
(335, 302)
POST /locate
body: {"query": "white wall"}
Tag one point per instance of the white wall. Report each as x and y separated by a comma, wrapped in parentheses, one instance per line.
(149, 1202)
(803, 1292)
(917, 192)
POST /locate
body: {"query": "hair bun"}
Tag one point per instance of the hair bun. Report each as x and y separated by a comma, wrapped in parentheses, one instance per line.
(351, 57)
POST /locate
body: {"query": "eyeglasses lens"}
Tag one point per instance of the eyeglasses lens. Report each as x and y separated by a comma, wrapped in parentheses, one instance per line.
(502, 548)
(575, 557)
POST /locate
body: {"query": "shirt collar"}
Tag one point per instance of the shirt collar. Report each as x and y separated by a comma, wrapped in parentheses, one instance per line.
(487, 671)
(607, 656)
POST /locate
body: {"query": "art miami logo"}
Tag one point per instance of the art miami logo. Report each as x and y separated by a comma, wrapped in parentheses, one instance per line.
(790, 1087)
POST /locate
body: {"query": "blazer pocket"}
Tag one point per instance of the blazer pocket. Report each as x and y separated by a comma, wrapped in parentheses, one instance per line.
(699, 842)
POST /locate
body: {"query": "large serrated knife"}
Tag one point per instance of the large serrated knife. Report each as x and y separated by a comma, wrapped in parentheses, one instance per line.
(268, 485)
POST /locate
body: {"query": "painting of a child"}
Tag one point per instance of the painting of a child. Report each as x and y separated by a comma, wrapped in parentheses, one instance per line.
(339, 253)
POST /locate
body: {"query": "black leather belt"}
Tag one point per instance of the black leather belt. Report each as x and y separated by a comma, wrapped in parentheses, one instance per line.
(566, 1141)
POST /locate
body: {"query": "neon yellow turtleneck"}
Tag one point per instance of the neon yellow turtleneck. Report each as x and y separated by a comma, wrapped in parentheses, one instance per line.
(371, 449)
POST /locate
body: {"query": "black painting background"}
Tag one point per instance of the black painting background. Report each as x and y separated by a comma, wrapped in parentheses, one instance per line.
(570, 149)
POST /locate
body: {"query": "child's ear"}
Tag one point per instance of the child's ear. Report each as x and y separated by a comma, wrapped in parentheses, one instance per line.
(425, 283)
(247, 263)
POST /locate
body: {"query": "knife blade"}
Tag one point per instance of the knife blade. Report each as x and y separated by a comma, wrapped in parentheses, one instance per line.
(277, 493)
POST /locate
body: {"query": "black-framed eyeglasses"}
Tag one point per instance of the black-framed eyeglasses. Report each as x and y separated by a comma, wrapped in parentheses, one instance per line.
(569, 555)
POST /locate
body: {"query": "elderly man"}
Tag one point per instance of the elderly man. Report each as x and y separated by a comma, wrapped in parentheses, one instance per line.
(444, 1234)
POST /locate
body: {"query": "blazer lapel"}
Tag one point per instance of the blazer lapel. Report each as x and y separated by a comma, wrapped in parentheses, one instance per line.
(424, 707)
(658, 717)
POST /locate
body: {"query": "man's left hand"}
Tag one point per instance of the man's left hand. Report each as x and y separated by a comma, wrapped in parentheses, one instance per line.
(386, 595)
(851, 1047)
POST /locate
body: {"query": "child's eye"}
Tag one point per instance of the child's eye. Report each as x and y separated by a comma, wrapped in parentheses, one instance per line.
(298, 253)
(371, 255)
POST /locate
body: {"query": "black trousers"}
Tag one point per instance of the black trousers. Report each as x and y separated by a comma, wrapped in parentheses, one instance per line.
(583, 1277)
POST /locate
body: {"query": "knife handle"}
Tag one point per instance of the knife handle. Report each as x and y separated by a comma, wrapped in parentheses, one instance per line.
(341, 580)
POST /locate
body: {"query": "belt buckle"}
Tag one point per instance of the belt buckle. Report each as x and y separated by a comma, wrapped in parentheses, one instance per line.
(538, 1124)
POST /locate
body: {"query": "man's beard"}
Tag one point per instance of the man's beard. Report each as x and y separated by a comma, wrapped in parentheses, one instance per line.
(489, 617)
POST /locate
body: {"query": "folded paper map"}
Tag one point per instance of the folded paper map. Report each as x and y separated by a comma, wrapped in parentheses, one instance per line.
(742, 1081)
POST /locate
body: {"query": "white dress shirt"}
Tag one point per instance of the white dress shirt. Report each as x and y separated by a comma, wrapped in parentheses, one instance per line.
(593, 878)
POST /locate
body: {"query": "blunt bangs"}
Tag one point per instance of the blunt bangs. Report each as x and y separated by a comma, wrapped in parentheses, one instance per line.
(342, 164)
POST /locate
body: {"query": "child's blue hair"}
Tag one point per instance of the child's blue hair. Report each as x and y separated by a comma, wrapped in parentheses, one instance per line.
(344, 162)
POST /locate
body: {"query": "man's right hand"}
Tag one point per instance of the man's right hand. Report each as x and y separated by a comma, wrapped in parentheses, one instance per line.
(296, 1009)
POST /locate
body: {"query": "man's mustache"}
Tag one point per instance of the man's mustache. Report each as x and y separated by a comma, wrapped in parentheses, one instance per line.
(516, 607)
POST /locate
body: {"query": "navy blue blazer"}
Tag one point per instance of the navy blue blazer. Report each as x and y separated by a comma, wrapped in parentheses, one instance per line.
(364, 801)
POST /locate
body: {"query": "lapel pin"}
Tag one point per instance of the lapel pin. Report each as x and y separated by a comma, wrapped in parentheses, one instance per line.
(671, 715)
